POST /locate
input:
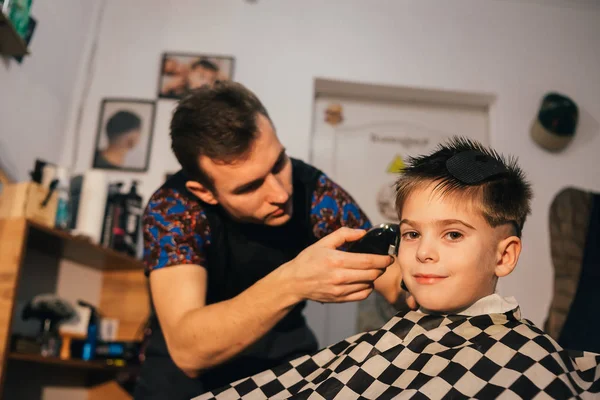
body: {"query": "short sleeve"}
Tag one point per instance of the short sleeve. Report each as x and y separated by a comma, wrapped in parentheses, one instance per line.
(175, 230)
(332, 208)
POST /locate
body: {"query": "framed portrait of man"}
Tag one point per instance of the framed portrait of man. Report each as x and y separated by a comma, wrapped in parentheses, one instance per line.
(124, 135)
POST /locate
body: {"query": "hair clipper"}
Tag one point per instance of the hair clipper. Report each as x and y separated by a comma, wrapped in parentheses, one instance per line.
(383, 239)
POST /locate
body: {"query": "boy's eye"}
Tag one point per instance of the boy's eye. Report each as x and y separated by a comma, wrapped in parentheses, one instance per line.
(454, 235)
(410, 235)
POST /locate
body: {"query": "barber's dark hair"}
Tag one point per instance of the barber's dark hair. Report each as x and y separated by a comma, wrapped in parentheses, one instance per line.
(203, 62)
(121, 123)
(217, 121)
(503, 198)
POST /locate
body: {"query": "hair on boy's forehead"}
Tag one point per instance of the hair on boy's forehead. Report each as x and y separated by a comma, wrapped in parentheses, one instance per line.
(465, 168)
(468, 200)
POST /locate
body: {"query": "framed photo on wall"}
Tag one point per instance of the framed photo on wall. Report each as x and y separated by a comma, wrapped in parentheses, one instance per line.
(181, 72)
(124, 134)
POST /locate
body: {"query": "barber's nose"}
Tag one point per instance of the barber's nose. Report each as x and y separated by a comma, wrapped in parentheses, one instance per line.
(277, 192)
(427, 252)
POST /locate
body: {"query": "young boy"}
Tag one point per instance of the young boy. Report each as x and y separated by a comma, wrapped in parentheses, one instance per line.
(462, 210)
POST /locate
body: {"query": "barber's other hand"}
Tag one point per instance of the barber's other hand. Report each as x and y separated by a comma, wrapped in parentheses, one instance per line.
(327, 275)
(405, 299)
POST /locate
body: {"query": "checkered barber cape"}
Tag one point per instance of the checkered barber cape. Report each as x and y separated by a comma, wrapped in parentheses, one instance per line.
(420, 356)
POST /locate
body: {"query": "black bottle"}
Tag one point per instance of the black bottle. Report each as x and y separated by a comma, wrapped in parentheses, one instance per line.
(126, 237)
(111, 214)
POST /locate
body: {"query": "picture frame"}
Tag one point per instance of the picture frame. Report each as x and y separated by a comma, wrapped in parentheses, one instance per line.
(181, 72)
(124, 134)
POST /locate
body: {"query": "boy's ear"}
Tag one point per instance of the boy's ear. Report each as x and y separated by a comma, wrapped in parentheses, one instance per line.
(201, 192)
(508, 252)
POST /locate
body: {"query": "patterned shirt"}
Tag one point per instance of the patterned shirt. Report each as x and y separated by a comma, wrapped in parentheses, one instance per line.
(176, 229)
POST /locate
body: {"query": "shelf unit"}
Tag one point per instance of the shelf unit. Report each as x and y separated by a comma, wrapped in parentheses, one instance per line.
(32, 260)
(71, 363)
(11, 44)
(78, 249)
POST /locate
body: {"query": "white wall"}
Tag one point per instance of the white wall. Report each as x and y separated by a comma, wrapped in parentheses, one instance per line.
(35, 95)
(516, 50)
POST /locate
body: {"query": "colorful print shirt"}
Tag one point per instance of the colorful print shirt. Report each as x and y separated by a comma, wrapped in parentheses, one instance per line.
(176, 230)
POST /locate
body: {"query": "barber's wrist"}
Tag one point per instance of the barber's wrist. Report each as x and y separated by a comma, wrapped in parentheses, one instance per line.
(286, 287)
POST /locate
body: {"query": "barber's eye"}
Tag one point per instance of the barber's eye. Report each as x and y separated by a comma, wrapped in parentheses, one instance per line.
(250, 188)
(454, 235)
(280, 164)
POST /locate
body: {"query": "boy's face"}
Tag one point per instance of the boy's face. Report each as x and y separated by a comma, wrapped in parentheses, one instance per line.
(450, 256)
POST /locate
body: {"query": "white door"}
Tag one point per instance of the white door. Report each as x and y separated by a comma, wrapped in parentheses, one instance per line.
(360, 144)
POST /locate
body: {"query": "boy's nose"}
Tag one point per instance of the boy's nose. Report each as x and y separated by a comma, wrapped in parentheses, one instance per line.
(426, 253)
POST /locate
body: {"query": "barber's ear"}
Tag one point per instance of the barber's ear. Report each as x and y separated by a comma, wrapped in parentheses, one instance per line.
(507, 255)
(201, 192)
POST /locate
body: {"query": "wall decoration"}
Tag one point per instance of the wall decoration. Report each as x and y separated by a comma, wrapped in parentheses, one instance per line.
(181, 72)
(386, 196)
(124, 136)
(334, 114)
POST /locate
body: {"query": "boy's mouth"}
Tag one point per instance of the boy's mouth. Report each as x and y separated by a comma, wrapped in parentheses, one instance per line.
(428, 279)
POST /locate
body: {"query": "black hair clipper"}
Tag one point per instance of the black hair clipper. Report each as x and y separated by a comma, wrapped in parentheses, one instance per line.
(383, 239)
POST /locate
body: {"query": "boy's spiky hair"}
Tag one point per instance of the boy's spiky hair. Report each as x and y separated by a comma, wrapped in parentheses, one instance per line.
(503, 198)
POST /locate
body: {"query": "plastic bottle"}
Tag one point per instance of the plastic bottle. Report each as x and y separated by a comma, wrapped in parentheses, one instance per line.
(63, 212)
(91, 341)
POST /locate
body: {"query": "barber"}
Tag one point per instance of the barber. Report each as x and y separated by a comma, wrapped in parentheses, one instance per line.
(234, 245)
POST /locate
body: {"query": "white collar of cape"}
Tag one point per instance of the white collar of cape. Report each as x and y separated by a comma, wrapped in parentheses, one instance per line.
(492, 304)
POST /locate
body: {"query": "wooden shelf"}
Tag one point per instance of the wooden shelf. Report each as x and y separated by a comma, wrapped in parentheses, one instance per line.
(78, 249)
(41, 371)
(30, 259)
(11, 43)
(70, 363)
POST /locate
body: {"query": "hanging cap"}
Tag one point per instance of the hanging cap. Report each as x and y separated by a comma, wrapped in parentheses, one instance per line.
(556, 122)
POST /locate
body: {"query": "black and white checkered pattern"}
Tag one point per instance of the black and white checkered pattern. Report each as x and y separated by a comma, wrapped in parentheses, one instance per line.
(421, 356)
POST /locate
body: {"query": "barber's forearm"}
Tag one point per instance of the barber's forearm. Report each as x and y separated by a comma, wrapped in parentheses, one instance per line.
(213, 334)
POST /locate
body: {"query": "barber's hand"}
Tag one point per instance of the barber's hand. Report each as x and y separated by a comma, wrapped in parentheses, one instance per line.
(327, 275)
(405, 299)
(391, 288)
